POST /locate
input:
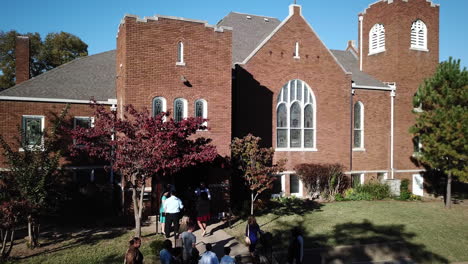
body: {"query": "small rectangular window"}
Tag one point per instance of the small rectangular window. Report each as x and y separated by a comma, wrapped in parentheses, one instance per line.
(84, 122)
(294, 184)
(357, 179)
(33, 128)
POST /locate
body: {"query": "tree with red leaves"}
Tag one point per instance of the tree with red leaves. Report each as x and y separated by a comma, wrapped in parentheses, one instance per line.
(139, 146)
(256, 164)
(11, 215)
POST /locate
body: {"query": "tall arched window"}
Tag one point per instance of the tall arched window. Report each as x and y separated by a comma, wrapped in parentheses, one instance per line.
(159, 105)
(295, 117)
(358, 126)
(419, 35)
(377, 39)
(180, 109)
(180, 53)
(201, 109)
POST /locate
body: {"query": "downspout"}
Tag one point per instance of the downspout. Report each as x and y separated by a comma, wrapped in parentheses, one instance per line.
(392, 116)
(351, 126)
(361, 18)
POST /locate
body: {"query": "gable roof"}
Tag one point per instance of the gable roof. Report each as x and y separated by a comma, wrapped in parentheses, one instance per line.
(248, 31)
(80, 79)
(351, 63)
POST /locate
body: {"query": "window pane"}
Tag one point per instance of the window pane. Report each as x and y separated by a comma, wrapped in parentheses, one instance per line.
(282, 138)
(33, 131)
(294, 183)
(178, 110)
(279, 96)
(157, 106)
(296, 138)
(306, 94)
(180, 52)
(295, 115)
(357, 115)
(83, 122)
(308, 117)
(285, 93)
(281, 116)
(356, 179)
(299, 90)
(199, 109)
(293, 90)
(308, 138)
(357, 138)
(276, 185)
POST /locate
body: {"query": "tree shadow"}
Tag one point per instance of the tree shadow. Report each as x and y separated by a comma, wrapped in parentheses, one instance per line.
(56, 241)
(359, 242)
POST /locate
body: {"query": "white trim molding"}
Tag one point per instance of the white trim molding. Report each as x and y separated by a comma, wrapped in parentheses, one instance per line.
(56, 100)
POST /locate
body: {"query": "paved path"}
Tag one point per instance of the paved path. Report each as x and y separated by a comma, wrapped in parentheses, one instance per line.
(218, 239)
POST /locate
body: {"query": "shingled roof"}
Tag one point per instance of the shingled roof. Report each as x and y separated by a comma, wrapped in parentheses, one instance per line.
(80, 79)
(248, 31)
(351, 63)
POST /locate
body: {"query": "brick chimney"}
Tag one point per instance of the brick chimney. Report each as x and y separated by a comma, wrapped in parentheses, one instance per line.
(22, 59)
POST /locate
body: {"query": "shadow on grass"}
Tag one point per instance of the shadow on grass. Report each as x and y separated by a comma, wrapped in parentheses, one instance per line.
(88, 237)
(290, 206)
(363, 242)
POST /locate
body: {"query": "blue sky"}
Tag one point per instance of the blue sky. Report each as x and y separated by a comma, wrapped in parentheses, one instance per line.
(96, 21)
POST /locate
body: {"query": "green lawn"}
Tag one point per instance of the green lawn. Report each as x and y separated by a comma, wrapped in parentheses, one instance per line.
(87, 247)
(431, 233)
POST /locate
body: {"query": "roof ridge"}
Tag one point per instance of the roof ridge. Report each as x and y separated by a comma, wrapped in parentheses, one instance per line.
(240, 13)
(58, 68)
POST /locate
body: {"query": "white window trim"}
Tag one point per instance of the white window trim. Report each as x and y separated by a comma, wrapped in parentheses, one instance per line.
(296, 52)
(288, 117)
(360, 148)
(180, 62)
(413, 184)
(23, 126)
(82, 117)
(425, 33)
(184, 112)
(164, 104)
(205, 111)
(378, 49)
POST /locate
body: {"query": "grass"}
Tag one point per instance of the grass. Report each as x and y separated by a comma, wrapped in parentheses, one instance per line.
(87, 246)
(431, 233)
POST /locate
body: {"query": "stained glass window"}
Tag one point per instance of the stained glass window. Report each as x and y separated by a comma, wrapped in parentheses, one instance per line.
(32, 128)
(358, 125)
(178, 110)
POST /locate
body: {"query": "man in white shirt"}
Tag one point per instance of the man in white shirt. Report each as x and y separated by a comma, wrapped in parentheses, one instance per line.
(209, 257)
(226, 259)
(172, 207)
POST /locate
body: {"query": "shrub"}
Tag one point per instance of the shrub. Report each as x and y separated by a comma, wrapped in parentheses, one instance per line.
(405, 194)
(323, 180)
(368, 191)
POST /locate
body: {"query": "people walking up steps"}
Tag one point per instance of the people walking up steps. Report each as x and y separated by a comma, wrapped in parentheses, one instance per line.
(172, 208)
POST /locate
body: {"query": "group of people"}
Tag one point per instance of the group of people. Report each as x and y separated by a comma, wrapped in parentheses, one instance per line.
(171, 207)
(170, 210)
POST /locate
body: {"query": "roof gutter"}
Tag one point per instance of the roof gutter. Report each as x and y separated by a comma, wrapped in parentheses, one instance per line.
(55, 100)
(367, 87)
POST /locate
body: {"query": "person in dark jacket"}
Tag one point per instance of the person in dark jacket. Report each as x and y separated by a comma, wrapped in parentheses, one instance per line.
(133, 255)
(296, 247)
(203, 211)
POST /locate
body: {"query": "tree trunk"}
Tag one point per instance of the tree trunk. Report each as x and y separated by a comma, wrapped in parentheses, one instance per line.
(135, 208)
(140, 212)
(251, 204)
(30, 236)
(448, 199)
(33, 232)
(7, 247)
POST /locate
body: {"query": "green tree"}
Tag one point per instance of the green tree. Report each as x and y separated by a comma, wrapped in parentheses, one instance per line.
(33, 175)
(55, 50)
(442, 122)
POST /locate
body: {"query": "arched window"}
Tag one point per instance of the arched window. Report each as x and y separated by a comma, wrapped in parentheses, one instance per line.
(295, 117)
(201, 109)
(419, 35)
(296, 51)
(180, 53)
(377, 39)
(159, 105)
(180, 109)
(358, 125)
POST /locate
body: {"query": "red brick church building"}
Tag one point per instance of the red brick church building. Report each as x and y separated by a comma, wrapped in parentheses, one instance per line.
(255, 74)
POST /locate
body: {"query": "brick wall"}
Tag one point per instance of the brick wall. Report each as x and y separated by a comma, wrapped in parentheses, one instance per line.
(400, 64)
(261, 79)
(11, 113)
(147, 52)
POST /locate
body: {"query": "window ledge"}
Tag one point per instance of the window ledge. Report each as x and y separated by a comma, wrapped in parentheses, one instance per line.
(359, 149)
(180, 63)
(296, 57)
(295, 149)
(417, 110)
(419, 49)
(32, 148)
(376, 52)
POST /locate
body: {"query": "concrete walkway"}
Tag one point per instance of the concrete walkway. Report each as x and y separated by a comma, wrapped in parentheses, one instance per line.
(218, 239)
